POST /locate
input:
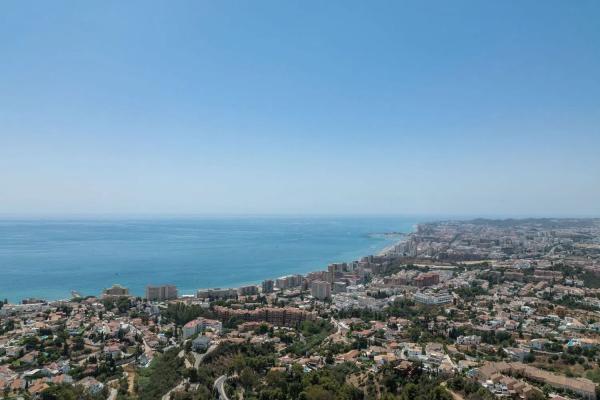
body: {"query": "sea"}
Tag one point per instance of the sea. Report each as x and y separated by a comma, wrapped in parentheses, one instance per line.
(49, 258)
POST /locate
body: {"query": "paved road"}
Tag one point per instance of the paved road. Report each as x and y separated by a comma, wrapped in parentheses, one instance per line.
(112, 394)
(200, 357)
(220, 386)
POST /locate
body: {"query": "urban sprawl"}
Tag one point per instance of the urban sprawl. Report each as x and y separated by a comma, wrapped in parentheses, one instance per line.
(455, 310)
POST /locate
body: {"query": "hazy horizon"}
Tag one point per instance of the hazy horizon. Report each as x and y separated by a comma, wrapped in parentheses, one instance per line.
(157, 216)
(300, 108)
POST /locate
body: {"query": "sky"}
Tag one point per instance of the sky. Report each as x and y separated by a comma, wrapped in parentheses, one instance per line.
(300, 107)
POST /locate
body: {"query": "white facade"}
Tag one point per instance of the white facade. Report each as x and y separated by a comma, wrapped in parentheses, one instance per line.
(199, 325)
(433, 298)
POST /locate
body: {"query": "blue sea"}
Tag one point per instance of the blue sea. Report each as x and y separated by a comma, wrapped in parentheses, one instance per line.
(50, 258)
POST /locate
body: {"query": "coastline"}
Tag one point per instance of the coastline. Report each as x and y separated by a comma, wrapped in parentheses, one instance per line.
(402, 238)
(344, 242)
(388, 247)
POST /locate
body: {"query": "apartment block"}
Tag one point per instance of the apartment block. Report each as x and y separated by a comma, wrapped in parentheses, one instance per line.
(161, 293)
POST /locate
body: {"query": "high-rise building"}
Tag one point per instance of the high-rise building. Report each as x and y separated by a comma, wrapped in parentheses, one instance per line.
(217, 293)
(296, 280)
(335, 270)
(290, 281)
(115, 290)
(161, 293)
(247, 290)
(320, 290)
(317, 276)
(282, 283)
(267, 286)
(339, 287)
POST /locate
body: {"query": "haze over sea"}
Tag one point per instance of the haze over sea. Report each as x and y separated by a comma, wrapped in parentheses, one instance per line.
(48, 258)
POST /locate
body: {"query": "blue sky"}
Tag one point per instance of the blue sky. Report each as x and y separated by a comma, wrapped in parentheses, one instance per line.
(449, 107)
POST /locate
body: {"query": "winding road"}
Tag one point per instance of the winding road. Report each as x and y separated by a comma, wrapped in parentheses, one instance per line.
(220, 386)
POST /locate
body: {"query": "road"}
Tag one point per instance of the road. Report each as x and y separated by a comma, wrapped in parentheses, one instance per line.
(220, 386)
(337, 325)
(180, 386)
(338, 335)
(200, 357)
(198, 360)
(455, 396)
(112, 394)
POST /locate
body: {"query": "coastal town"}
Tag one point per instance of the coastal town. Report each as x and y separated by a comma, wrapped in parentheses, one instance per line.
(456, 310)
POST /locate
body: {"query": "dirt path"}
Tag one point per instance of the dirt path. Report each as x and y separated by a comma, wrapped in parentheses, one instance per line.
(456, 396)
(130, 371)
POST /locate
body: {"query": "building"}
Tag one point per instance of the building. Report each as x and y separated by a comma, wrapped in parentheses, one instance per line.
(581, 386)
(282, 283)
(200, 325)
(290, 281)
(320, 290)
(161, 293)
(287, 316)
(296, 280)
(514, 276)
(427, 279)
(399, 279)
(317, 276)
(216, 293)
(247, 290)
(335, 270)
(201, 343)
(432, 298)
(546, 275)
(267, 286)
(339, 287)
(472, 340)
(115, 290)
(91, 385)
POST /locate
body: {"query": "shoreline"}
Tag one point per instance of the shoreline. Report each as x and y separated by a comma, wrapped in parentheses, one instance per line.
(388, 249)
(258, 282)
(389, 241)
(402, 239)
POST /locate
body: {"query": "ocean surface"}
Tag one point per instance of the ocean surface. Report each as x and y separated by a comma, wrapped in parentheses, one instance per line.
(49, 258)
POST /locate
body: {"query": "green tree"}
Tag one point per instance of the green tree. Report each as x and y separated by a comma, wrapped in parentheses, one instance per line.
(248, 378)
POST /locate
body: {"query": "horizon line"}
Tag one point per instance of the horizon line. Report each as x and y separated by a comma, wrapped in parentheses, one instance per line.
(162, 215)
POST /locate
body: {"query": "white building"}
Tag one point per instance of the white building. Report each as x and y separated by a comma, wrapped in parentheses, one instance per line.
(468, 340)
(432, 298)
(199, 325)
